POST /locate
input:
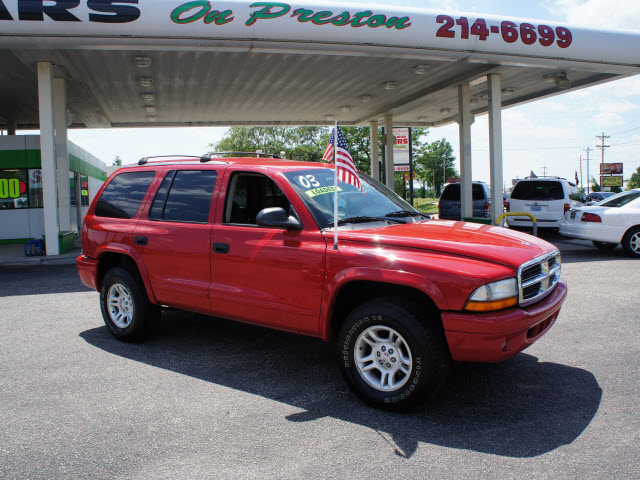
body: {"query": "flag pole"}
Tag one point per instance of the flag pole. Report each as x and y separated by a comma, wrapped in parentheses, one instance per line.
(335, 186)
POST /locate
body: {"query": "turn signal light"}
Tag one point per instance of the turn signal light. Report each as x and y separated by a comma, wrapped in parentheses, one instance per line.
(591, 217)
(491, 306)
(567, 207)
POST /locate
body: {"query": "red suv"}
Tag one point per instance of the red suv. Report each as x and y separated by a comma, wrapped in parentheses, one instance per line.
(252, 240)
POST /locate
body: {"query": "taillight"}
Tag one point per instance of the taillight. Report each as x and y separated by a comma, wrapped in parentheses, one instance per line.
(591, 217)
(508, 207)
(567, 207)
(486, 208)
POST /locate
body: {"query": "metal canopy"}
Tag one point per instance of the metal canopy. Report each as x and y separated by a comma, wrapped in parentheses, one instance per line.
(281, 71)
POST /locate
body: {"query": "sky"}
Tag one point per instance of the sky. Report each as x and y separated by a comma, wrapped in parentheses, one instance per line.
(544, 136)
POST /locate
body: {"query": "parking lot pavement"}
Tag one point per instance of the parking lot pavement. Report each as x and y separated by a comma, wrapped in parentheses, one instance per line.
(208, 398)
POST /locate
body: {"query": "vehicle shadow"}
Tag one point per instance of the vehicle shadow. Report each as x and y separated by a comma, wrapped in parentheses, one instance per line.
(518, 408)
(40, 279)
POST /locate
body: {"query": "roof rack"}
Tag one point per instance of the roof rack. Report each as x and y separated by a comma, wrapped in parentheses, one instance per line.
(145, 160)
(207, 156)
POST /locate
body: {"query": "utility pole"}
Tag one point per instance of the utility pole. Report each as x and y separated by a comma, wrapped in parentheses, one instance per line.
(588, 177)
(581, 183)
(544, 171)
(602, 147)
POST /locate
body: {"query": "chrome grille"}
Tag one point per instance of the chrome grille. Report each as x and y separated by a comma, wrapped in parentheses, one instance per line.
(538, 277)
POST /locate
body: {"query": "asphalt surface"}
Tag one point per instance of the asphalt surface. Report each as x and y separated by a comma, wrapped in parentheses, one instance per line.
(207, 398)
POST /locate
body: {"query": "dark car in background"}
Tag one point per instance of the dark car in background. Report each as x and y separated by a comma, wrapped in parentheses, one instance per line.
(449, 204)
(595, 197)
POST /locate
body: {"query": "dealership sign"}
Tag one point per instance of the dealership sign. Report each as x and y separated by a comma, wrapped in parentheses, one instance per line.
(105, 23)
(612, 181)
(611, 169)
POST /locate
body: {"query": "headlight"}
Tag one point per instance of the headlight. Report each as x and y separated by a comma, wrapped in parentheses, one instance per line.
(494, 296)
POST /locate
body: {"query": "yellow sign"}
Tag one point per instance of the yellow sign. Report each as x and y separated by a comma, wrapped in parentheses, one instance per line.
(321, 191)
(612, 181)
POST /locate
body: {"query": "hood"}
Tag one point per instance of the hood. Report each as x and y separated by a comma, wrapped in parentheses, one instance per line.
(485, 242)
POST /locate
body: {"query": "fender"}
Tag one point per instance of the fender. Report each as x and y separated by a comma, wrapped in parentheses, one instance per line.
(405, 279)
(130, 252)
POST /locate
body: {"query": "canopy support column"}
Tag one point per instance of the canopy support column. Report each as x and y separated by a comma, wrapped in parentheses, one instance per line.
(11, 128)
(495, 145)
(388, 155)
(48, 153)
(62, 153)
(375, 153)
(465, 120)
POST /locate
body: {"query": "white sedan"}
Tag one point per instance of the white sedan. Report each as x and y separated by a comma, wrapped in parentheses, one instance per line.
(610, 222)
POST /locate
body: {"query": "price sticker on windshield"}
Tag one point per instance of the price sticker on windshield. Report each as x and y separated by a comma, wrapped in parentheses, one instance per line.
(321, 191)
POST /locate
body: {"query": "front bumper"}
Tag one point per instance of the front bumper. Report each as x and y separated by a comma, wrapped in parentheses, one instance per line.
(88, 271)
(497, 336)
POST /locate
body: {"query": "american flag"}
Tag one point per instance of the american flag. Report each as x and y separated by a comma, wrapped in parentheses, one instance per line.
(347, 171)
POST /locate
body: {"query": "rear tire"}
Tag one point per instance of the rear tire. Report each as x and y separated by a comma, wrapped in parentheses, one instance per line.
(631, 242)
(126, 310)
(391, 356)
(605, 247)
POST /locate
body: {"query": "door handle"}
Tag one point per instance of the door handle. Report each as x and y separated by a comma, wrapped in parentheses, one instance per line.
(221, 248)
(141, 241)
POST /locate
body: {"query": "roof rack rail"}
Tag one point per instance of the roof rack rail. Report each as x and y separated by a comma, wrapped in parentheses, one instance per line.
(145, 160)
(207, 156)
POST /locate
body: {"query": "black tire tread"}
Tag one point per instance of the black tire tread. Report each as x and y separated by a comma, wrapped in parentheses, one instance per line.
(427, 331)
(146, 314)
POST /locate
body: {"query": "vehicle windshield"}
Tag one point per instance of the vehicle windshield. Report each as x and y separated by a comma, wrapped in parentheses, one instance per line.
(452, 192)
(316, 188)
(540, 190)
(620, 200)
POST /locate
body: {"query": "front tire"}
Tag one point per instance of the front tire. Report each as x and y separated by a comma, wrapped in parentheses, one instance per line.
(631, 243)
(126, 310)
(391, 356)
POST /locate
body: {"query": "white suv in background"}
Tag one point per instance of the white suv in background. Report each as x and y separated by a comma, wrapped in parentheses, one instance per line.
(547, 199)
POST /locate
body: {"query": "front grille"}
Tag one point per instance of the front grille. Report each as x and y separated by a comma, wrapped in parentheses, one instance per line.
(538, 277)
(530, 273)
(531, 291)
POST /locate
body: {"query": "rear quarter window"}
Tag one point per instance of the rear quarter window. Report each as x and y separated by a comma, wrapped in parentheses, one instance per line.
(538, 191)
(122, 197)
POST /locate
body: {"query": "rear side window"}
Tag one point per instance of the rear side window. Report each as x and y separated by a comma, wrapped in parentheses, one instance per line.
(539, 191)
(122, 197)
(452, 192)
(184, 196)
(621, 200)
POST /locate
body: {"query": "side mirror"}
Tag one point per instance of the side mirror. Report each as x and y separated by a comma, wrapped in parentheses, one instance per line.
(277, 217)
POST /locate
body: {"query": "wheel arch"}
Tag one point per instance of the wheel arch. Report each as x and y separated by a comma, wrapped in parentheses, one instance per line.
(358, 291)
(123, 258)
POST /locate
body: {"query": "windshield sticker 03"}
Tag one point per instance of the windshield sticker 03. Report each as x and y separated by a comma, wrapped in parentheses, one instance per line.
(203, 10)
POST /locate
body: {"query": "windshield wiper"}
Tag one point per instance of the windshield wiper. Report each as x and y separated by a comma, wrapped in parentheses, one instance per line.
(406, 213)
(363, 219)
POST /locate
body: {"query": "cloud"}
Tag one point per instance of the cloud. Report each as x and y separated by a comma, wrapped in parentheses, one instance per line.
(600, 14)
(605, 120)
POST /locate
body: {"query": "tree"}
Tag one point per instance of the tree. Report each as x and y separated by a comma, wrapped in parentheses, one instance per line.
(429, 161)
(634, 181)
(118, 161)
(595, 186)
(298, 143)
